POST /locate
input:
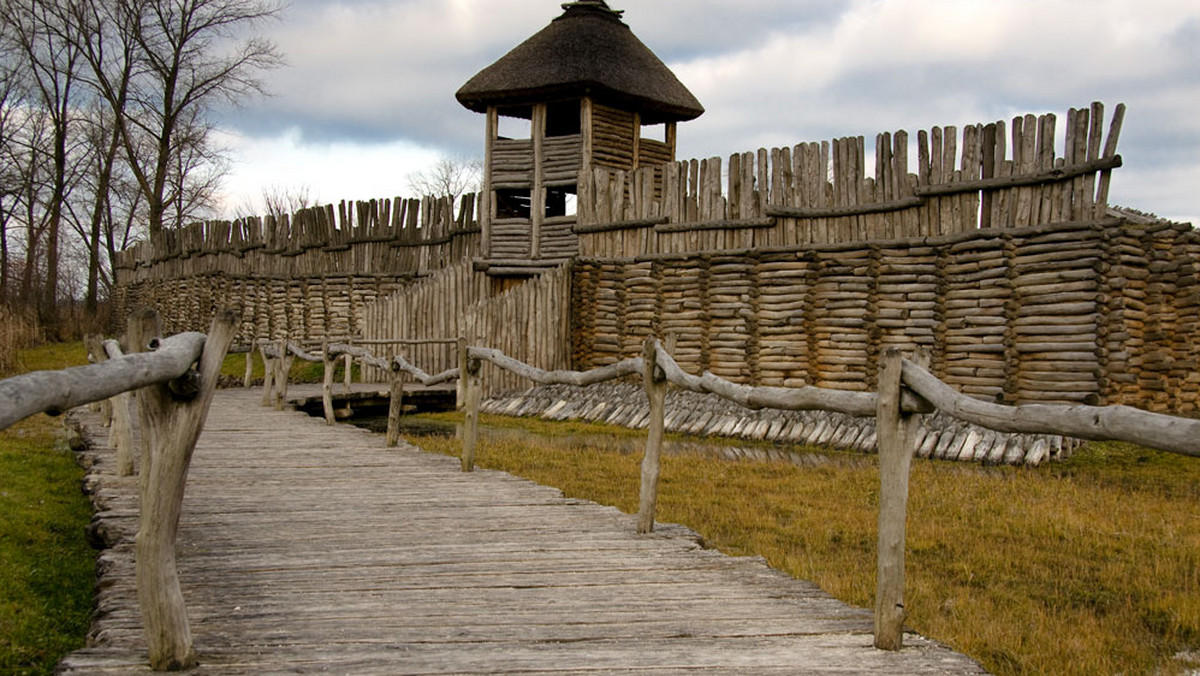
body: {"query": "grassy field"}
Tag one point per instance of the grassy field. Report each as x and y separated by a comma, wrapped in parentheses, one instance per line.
(1091, 566)
(46, 566)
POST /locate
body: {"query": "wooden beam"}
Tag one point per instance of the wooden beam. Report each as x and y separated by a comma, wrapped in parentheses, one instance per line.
(1097, 423)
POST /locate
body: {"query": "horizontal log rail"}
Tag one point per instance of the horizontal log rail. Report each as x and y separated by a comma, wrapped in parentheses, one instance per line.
(906, 389)
(277, 360)
(54, 392)
(175, 378)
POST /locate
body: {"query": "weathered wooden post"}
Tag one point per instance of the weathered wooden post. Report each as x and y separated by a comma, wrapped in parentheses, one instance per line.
(895, 461)
(268, 373)
(327, 366)
(120, 436)
(283, 367)
(655, 382)
(395, 403)
(247, 379)
(460, 391)
(348, 375)
(116, 409)
(174, 413)
(96, 354)
(473, 392)
(143, 329)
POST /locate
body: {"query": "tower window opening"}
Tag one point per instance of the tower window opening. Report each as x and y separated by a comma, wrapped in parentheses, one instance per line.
(562, 118)
(561, 201)
(513, 203)
(514, 124)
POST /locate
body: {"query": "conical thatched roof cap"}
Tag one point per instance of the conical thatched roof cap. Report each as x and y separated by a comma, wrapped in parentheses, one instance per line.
(586, 51)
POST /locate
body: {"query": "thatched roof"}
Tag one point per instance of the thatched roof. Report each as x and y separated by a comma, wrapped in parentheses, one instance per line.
(586, 51)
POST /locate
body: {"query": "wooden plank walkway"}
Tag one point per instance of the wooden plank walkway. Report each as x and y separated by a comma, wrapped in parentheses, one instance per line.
(305, 548)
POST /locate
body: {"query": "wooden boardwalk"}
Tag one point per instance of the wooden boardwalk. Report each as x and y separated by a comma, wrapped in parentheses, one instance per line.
(305, 548)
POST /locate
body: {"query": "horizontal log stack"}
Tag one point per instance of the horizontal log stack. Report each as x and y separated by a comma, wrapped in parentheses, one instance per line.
(1100, 312)
(937, 436)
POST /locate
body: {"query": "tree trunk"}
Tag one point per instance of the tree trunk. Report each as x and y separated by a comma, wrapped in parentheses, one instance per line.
(92, 303)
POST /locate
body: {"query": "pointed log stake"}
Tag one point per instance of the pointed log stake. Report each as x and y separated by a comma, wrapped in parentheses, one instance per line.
(655, 381)
(895, 461)
(175, 425)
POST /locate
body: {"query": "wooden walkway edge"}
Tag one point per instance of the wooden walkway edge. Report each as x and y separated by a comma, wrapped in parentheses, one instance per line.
(308, 548)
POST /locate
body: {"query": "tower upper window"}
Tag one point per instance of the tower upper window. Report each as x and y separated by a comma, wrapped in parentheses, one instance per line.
(562, 118)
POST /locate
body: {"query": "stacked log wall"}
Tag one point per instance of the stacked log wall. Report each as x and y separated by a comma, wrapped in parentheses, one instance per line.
(1100, 312)
(308, 274)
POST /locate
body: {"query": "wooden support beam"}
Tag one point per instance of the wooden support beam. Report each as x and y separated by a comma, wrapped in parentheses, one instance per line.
(1096, 423)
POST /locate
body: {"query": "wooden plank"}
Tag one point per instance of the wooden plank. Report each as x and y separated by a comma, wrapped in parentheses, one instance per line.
(312, 548)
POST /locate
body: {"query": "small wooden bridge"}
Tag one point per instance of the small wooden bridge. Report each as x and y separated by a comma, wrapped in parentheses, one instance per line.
(312, 548)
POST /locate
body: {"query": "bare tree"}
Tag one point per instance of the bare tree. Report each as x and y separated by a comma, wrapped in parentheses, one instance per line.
(189, 56)
(39, 35)
(448, 177)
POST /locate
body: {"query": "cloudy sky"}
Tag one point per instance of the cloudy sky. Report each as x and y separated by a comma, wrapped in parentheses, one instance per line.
(368, 93)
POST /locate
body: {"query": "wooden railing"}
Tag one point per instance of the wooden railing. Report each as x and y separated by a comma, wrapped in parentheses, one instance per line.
(277, 363)
(906, 389)
(175, 378)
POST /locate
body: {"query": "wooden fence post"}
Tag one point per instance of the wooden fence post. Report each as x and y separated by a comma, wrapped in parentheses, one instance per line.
(120, 436)
(395, 404)
(268, 374)
(473, 391)
(655, 382)
(460, 391)
(174, 416)
(143, 329)
(120, 431)
(246, 379)
(327, 365)
(895, 462)
(283, 367)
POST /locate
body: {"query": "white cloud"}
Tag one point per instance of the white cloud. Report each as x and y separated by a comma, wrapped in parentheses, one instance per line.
(769, 72)
(330, 172)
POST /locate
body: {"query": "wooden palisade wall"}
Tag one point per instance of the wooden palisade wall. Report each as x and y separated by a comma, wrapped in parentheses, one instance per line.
(992, 175)
(308, 274)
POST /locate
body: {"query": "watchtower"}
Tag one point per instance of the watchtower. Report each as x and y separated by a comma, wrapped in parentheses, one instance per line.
(582, 93)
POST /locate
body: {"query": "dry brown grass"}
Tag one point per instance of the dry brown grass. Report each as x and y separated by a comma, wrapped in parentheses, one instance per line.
(1091, 566)
(17, 332)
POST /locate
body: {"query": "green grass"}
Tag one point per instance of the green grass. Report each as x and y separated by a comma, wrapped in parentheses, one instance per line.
(302, 371)
(1091, 566)
(47, 568)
